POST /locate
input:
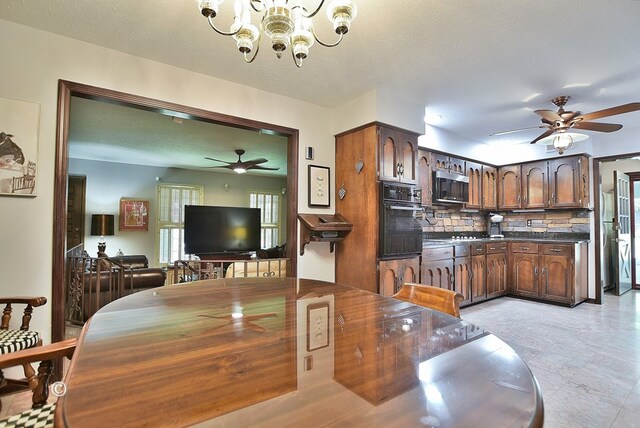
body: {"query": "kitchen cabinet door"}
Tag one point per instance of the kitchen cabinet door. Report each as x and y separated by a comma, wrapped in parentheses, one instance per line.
(535, 185)
(509, 187)
(437, 273)
(474, 172)
(478, 288)
(462, 278)
(496, 274)
(489, 188)
(398, 155)
(425, 176)
(408, 155)
(394, 273)
(556, 266)
(568, 182)
(457, 166)
(524, 274)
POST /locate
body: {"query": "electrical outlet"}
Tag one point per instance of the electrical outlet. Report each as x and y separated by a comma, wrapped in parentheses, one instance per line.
(529, 223)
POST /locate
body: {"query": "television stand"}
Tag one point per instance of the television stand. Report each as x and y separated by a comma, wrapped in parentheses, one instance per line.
(225, 256)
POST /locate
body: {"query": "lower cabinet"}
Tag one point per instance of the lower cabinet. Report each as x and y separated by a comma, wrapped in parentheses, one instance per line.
(393, 273)
(462, 278)
(556, 278)
(524, 274)
(478, 284)
(496, 274)
(437, 267)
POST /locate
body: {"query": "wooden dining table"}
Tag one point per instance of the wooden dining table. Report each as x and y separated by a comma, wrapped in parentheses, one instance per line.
(267, 352)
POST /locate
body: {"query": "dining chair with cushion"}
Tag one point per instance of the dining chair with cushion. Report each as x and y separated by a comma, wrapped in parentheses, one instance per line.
(439, 299)
(41, 414)
(15, 340)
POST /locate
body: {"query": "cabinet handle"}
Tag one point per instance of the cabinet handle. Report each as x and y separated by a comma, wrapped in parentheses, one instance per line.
(556, 250)
(553, 196)
(535, 271)
(525, 248)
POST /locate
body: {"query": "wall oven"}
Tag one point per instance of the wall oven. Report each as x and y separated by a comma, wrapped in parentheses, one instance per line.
(400, 230)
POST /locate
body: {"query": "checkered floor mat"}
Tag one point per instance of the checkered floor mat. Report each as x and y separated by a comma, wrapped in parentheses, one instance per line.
(35, 418)
(17, 340)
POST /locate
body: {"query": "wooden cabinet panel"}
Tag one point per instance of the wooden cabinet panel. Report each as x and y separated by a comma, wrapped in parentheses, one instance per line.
(398, 159)
(394, 273)
(474, 172)
(425, 176)
(457, 166)
(524, 247)
(509, 187)
(478, 288)
(408, 154)
(388, 154)
(556, 278)
(568, 182)
(441, 161)
(497, 247)
(535, 185)
(437, 253)
(524, 274)
(477, 249)
(437, 273)
(462, 278)
(496, 274)
(489, 187)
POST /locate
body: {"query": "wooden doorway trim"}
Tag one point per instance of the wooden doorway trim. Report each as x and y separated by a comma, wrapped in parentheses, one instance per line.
(66, 90)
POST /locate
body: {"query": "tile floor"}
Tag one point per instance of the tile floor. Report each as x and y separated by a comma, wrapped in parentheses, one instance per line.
(587, 359)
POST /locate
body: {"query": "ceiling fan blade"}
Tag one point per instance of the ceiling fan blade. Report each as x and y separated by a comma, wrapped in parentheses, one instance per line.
(263, 168)
(218, 160)
(518, 130)
(546, 134)
(625, 108)
(256, 161)
(220, 166)
(549, 115)
(595, 126)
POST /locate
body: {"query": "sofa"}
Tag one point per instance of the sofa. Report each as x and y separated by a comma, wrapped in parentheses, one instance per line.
(105, 279)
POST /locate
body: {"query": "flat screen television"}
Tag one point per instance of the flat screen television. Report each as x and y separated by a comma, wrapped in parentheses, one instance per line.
(228, 230)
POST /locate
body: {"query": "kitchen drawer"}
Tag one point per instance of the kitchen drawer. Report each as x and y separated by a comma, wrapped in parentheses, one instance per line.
(437, 253)
(461, 250)
(477, 249)
(497, 247)
(557, 249)
(524, 247)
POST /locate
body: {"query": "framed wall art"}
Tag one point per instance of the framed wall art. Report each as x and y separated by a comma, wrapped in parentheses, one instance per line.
(319, 186)
(317, 326)
(19, 121)
(134, 214)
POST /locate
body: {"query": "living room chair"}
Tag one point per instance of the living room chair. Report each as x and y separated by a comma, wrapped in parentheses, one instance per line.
(41, 414)
(12, 341)
(439, 299)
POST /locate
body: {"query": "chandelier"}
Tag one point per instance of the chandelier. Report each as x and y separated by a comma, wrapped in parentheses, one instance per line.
(285, 25)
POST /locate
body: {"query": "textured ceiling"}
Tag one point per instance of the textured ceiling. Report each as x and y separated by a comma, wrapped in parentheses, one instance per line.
(477, 63)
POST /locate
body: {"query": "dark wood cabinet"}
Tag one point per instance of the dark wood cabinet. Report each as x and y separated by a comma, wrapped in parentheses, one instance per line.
(535, 185)
(474, 173)
(425, 176)
(489, 188)
(496, 268)
(444, 162)
(462, 272)
(556, 273)
(438, 273)
(398, 155)
(394, 273)
(524, 274)
(509, 187)
(569, 182)
(478, 284)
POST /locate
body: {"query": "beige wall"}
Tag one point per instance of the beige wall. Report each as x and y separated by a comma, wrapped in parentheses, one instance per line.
(34, 61)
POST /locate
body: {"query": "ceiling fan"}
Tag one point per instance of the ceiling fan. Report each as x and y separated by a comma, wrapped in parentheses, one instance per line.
(241, 166)
(562, 121)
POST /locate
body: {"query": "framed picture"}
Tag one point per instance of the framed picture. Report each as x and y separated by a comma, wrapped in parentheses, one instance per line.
(134, 214)
(319, 186)
(317, 326)
(19, 122)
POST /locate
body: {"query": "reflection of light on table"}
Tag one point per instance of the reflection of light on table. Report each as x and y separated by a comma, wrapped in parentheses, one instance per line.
(7, 174)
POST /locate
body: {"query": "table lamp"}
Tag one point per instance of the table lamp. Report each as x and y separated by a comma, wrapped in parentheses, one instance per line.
(101, 225)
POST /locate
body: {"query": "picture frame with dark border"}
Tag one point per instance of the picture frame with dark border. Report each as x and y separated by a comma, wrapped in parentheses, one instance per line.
(319, 186)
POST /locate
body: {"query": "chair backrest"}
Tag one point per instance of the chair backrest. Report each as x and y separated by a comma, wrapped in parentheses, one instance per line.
(439, 299)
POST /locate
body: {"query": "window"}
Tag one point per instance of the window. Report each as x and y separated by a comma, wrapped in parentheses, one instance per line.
(171, 201)
(269, 204)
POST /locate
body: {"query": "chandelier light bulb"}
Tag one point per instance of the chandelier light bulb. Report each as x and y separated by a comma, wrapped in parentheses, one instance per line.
(285, 25)
(562, 142)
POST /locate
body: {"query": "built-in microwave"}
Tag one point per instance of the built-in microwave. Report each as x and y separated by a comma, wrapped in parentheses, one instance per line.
(450, 188)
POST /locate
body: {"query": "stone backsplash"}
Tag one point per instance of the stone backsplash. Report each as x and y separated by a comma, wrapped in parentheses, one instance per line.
(557, 221)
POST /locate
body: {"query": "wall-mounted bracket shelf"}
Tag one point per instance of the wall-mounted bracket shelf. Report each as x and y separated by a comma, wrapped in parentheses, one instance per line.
(329, 228)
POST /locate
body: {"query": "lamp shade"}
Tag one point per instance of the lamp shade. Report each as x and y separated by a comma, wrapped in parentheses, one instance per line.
(102, 224)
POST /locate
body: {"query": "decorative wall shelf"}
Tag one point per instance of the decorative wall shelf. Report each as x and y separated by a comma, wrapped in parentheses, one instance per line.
(329, 228)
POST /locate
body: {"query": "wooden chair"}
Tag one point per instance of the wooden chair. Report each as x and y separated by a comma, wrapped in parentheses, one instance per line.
(41, 414)
(439, 299)
(16, 340)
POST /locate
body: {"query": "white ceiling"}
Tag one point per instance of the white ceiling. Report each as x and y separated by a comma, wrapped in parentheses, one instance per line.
(477, 63)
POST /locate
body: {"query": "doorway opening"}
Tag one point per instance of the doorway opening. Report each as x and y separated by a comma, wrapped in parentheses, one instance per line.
(67, 90)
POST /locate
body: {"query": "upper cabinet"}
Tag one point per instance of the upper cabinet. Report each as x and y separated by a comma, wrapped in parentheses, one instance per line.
(569, 182)
(448, 163)
(474, 172)
(509, 187)
(398, 155)
(535, 185)
(425, 176)
(489, 187)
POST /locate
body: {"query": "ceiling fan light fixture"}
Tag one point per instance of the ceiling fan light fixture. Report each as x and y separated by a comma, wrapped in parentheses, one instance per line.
(562, 142)
(240, 170)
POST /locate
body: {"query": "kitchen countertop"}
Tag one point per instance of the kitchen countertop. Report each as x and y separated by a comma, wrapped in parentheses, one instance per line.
(550, 238)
